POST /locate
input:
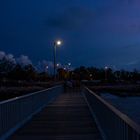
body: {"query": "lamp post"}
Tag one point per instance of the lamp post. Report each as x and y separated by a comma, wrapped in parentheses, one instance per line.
(68, 66)
(56, 44)
(106, 69)
(47, 67)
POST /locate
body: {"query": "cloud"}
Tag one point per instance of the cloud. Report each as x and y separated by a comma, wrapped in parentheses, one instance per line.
(24, 60)
(8, 57)
(131, 65)
(135, 62)
(2, 55)
(73, 18)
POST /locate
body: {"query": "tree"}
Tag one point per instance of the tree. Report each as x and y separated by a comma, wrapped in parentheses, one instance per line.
(30, 72)
(6, 65)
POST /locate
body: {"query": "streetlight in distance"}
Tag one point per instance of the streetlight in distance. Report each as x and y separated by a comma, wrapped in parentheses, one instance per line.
(56, 44)
(47, 67)
(106, 69)
(69, 64)
(57, 65)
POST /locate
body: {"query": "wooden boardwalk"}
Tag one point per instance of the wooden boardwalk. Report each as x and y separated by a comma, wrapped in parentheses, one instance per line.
(67, 118)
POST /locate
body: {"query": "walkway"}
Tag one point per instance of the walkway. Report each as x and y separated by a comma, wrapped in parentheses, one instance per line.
(67, 118)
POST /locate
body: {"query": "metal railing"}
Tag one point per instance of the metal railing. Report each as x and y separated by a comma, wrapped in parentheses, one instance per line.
(113, 124)
(15, 112)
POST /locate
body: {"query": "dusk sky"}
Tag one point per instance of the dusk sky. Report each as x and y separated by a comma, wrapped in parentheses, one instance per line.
(94, 32)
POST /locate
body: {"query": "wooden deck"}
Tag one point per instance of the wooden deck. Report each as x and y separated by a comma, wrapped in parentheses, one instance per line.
(67, 118)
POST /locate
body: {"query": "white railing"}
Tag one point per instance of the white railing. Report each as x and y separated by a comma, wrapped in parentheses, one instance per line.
(15, 112)
(113, 124)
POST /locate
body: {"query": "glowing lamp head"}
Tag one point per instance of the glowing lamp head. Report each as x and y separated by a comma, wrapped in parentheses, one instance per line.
(106, 68)
(58, 42)
(57, 64)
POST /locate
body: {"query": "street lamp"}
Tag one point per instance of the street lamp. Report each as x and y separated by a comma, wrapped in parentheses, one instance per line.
(47, 67)
(56, 44)
(106, 69)
(57, 65)
(69, 64)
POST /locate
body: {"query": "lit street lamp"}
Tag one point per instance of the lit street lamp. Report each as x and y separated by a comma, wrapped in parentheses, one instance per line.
(106, 69)
(56, 44)
(57, 65)
(69, 64)
(47, 67)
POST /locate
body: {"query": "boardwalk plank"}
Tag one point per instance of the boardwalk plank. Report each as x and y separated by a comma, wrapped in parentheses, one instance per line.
(67, 118)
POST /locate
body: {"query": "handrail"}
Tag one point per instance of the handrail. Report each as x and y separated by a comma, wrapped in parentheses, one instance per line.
(124, 120)
(117, 112)
(27, 95)
(15, 112)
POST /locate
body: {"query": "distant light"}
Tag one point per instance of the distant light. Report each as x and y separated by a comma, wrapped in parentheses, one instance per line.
(69, 64)
(57, 65)
(47, 67)
(106, 67)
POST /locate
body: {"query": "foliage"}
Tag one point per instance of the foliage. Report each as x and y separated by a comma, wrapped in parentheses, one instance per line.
(11, 71)
(92, 73)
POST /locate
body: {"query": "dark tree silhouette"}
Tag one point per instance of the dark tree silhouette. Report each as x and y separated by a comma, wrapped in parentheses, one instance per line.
(6, 65)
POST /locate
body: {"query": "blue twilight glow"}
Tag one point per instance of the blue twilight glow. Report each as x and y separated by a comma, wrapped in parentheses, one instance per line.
(94, 32)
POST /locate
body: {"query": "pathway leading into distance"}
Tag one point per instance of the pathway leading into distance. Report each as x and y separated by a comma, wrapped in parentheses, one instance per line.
(67, 118)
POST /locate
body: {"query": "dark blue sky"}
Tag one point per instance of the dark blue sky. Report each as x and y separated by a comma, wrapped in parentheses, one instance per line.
(94, 32)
